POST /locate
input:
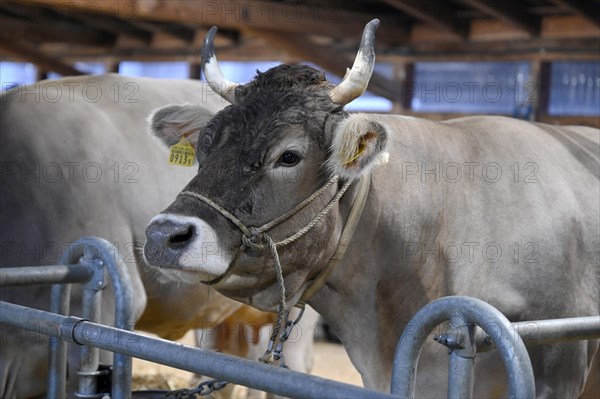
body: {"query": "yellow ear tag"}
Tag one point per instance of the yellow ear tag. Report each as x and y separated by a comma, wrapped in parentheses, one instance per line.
(362, 146)
(182, 153)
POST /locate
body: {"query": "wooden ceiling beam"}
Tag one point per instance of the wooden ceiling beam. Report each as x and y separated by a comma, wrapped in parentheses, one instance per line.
(512, 11)
(571, 49)
(322, 20)
(329, 59)
(588, 9)
(61, 32)
(18, 10)
(552, 27)
(105, 23)
(434, 13)
(182, 33)
(44, 62)
(515, 49)
(54, 19)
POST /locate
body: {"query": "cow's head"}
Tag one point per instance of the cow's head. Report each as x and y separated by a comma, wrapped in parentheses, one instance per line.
(284, 136)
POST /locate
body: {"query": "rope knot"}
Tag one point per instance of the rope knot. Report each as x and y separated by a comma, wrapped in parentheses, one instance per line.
(254, 239)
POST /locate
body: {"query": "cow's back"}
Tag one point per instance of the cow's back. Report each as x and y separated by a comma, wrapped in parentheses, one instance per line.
(506, 210)
(495, 208)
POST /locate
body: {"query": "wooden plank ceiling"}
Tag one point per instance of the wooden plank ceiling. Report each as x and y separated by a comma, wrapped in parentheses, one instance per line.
(54, 33)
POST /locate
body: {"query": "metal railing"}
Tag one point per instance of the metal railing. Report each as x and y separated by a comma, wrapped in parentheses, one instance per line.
(463, 313)
(87, 261)
(474, 327)
(196, 360)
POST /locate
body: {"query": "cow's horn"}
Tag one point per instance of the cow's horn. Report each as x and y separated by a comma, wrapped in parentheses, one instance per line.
(214, 76)
(357, 79)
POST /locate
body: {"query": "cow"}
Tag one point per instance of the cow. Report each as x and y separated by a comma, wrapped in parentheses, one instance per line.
(75, 162)
(490, 207)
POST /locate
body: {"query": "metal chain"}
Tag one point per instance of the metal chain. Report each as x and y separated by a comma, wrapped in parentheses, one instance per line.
(275, 352)
(210, 386)
(285, 335)
(205, 388)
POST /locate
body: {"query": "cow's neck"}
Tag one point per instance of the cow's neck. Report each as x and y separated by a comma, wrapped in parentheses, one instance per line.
(368, 305)
(359, 193)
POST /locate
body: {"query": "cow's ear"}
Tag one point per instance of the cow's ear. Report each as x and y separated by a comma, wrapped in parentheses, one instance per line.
(358, 144)
(172, 122)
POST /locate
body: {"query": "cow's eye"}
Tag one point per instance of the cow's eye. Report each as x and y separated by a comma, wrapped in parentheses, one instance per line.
(289, 159)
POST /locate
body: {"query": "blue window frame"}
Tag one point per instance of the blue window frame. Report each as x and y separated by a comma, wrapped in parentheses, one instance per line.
(574, 89)
(170, 70)
(15, 74)
(472, 87)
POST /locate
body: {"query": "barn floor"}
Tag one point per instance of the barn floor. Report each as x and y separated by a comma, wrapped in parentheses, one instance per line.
(331, 361)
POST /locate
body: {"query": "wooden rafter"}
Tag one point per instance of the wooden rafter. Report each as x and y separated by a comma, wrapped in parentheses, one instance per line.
(589, 9)
(61, 32)
(434, 13)
(178, 32)
(245, 14)
(52, 23)
(62, 28)
(512, 11)
(329, 59)
(43, 61)
(105, 23)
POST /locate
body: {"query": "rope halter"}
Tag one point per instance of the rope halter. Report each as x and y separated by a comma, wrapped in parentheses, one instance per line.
(256, 238)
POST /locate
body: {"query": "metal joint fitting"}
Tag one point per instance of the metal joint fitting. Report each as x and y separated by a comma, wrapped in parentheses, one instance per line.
(450, 341)
(98, 280)
(67, 328)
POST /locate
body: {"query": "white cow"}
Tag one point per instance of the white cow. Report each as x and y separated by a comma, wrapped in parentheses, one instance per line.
(491, 207)
(76, 162)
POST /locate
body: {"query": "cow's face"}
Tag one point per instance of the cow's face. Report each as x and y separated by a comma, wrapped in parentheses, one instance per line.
(282, 139)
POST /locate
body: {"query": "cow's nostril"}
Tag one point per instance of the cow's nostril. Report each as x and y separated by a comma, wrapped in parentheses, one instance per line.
(182, 238)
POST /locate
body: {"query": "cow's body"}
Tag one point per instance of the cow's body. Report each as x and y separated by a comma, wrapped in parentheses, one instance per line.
(86, 126)
(490, 207)
(426, 234)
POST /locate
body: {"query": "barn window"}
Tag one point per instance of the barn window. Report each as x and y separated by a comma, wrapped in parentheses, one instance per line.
(244, 72)
(91, 68)
(368, 102)
(171, 70)
(16, 74)
(472, 87)
(574, 89)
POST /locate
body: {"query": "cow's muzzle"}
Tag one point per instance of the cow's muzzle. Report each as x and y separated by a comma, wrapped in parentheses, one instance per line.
(166, 240)
(185, 243)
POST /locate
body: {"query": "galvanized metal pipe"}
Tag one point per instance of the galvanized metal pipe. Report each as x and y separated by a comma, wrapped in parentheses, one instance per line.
(89, 357)
(106, 253)
(196, 360)
(57, 274)
(512, 349)
(462, 360)
(544, 332)
(60, 298)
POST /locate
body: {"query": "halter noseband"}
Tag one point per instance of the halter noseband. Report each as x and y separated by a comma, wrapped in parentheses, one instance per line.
(257, 238)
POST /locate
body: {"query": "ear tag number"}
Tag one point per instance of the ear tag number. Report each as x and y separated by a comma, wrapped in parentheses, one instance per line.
(361, 147)
(182, 153)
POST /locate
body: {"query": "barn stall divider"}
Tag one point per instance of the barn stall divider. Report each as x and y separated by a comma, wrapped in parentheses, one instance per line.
(474, 326)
